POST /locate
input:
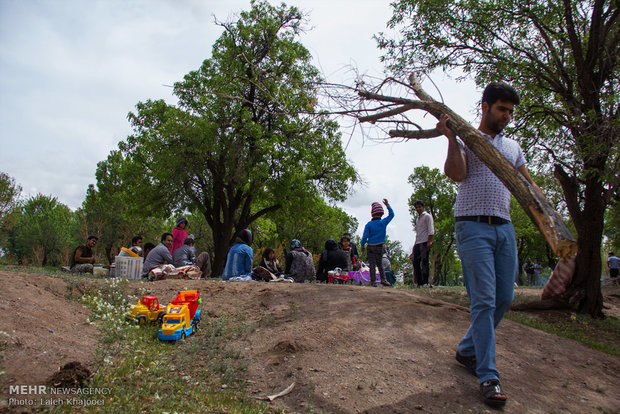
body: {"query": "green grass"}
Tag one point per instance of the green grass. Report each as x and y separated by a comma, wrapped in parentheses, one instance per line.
(599, 334)
(202, 373)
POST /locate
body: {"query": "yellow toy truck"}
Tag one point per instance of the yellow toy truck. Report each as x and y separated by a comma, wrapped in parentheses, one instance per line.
(182, 316)
(146, 310)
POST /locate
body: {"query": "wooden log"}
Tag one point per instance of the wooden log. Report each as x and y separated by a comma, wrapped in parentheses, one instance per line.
(548, 221)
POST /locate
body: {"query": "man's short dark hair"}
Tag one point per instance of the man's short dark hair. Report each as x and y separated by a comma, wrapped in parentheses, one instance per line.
(189, 241)
(419, 203)
(163, 236)
(496, 91)
(92, 237)
(135, 239)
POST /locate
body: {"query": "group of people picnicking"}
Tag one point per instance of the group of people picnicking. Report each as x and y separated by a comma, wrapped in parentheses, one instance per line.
(176, 248)
(299, 263)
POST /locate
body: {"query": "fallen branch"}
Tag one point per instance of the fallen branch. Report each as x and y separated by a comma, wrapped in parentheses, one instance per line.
(548, 221)
(281, 393)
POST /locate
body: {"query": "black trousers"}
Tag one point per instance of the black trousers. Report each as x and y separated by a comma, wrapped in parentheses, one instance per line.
(420, 263)
(375, 254)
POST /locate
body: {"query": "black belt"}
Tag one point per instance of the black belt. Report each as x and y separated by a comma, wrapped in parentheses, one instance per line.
(483, 219)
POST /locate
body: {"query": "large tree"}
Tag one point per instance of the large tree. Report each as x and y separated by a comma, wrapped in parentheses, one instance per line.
(562, 56)
(240, 143)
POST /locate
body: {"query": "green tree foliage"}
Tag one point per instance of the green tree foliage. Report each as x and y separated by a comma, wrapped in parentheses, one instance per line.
(438, 193)
(109, 211)
(399, 259)
(43, 232)
(241, 136)
(612, 228)
(9, 207)
(563, 59)
(312, 224)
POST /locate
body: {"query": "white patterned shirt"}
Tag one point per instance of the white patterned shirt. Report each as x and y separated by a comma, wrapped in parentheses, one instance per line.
(482, 193)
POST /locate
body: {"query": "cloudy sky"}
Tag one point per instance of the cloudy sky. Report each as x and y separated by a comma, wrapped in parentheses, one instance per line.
(71, 70)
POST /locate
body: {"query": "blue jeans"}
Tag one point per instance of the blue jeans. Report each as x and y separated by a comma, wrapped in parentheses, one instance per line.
(489, 257)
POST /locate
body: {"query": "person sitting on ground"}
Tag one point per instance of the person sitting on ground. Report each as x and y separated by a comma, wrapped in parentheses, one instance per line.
(270, 262)
(186, 256)
(299, 264)
(179, 233)
(331, 258)
(82, 260)
(136, 247)
(240, 255)
(159, 255)
(387, 266)
(147, 249)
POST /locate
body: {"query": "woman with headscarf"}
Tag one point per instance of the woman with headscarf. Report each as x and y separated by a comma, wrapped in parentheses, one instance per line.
(299, 264)
(240, 255)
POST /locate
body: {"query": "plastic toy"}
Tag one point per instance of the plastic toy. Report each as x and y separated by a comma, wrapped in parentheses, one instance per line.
(182, 316)
(147, 309)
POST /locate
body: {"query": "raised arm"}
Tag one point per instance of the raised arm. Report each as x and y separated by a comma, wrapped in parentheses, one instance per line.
(456, 163)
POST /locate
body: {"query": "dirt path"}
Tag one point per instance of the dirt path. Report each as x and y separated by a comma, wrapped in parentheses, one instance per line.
(347, 348)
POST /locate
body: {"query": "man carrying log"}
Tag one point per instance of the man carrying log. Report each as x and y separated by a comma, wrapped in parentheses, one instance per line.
(485, 236)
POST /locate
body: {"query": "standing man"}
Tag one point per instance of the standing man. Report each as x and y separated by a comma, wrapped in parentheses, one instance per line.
(83, 260)
(614, 265)
(159, 255)
(485, 236)
(529, 271)
(424, 231)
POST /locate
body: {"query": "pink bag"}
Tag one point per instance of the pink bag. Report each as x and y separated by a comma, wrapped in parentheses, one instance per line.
(560, 278)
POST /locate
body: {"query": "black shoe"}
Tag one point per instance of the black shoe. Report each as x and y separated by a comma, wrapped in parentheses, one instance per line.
(492, 393)
(469, 362)
(385, 283)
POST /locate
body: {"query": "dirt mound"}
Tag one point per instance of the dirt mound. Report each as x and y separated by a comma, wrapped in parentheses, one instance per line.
(41, 329)
(357, 349)
(73, 374)
(346, 348)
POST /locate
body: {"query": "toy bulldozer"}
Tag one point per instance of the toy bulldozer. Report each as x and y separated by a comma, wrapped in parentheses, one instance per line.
(146, 310)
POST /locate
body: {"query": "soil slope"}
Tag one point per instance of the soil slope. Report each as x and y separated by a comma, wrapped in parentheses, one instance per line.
(346, 348)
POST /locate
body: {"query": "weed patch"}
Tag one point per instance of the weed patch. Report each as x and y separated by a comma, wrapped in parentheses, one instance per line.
(199, 374)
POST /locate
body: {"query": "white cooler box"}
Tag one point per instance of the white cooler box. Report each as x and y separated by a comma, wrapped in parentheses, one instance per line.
(128, 267)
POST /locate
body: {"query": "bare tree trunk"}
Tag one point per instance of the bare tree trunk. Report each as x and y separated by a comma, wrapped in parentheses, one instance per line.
(222, 235)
